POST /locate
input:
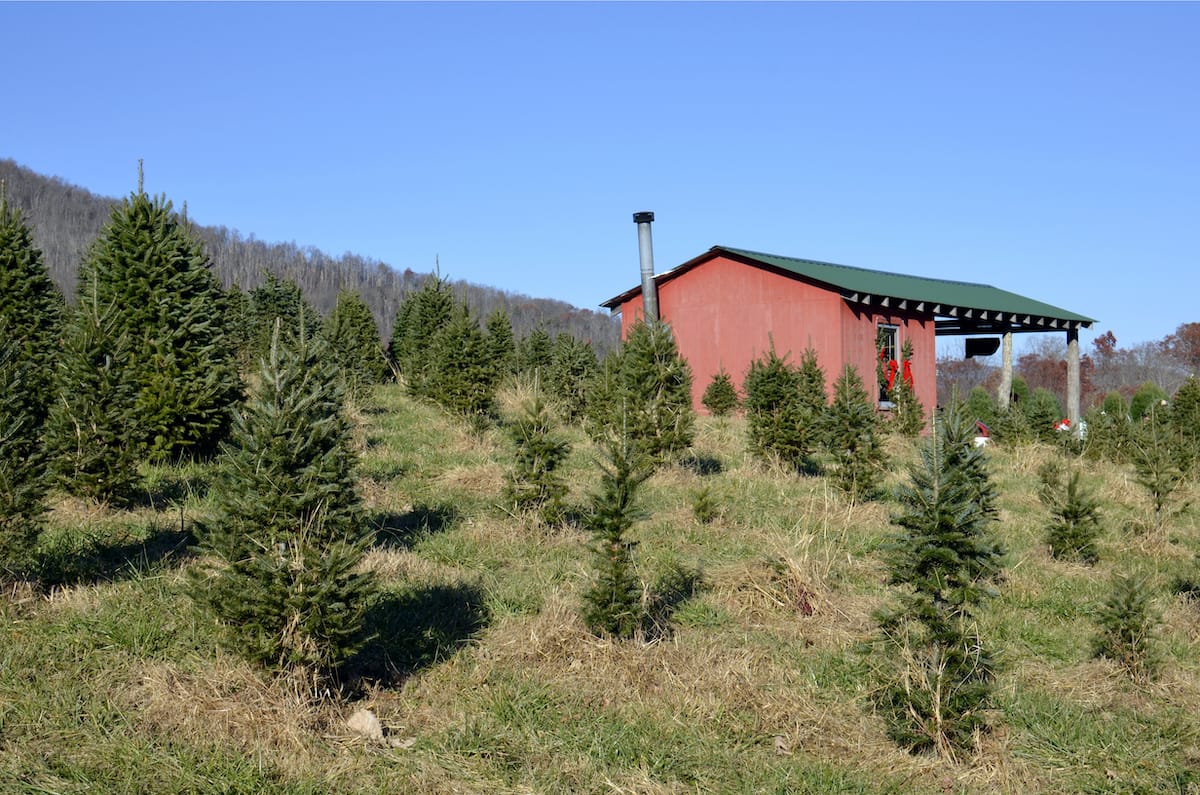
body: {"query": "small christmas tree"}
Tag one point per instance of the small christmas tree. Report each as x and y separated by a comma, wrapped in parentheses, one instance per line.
(938, 674)
(354, 341)
(90, 428)
(1157, 462)
(645, 391)
(1185, 422)
(460, 377)
(535, 353)
(851, 438)
(1074, 520)
(501, 350)
(535, 482)
(773, 411)
(279, 303)
(569, 376)
(720, 397)
(613, 602)
(418, 321)
(1127, 622)
(284, 576)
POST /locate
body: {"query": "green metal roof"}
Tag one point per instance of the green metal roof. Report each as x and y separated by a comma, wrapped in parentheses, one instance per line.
(969, 307)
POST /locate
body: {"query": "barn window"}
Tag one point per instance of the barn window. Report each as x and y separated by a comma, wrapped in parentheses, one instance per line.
(887, 351)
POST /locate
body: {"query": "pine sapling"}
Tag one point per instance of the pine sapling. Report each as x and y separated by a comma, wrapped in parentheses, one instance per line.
(1157, 464)
(720, 396)
(283, 575)
(535, 482)
(613, 601)
(937, 673)
(1074, 523)
(1126, 623)
(851, 438)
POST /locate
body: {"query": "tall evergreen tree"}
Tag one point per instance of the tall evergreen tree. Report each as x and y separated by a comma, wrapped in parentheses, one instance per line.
(22, 460)
(851, 437)
(290, 531)
(31, 308)
(90, 428)
(943, 565)
(645, 391)
(354, 341)
(151, 268)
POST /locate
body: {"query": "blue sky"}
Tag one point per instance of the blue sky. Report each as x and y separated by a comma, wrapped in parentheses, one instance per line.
(1048, 149)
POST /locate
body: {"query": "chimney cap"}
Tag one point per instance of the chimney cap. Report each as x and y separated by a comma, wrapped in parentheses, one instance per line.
(643, 217)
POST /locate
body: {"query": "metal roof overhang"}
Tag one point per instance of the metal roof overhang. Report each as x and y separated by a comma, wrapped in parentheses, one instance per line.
(950, 320)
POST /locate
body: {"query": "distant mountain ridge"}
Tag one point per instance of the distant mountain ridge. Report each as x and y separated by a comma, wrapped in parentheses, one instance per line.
(65, 219)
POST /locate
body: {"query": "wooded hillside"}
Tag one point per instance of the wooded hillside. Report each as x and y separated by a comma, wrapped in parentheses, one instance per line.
(66, 218)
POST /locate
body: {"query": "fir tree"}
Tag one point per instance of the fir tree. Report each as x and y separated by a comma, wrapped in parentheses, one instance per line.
(572, 367)
(354, 342)
(31, 309)
(535, 352)
(501, 350)
(1126, 626)
(776, 420)
(981, 407)
(1074, 523)
(646, 389)
(1185, 423)
(535, 482)
(420, 318)
(613, 602)
(149, 266)
(943, 565)
(1157, 464)
(720, 396)
(851, 438)
(284, 575)
(1148, 396)
(22, 460)
(460, 377)
(813, 398)
(1043, 411)
(239, 323)
(279, 303)
(90, 428)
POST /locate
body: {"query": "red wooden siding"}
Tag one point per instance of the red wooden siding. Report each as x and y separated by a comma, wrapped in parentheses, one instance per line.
(725, 313)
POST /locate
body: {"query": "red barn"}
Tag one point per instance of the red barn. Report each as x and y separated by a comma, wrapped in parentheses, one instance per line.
(728, 305)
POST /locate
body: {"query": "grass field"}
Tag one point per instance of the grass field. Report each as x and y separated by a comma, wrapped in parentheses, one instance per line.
(486, 680)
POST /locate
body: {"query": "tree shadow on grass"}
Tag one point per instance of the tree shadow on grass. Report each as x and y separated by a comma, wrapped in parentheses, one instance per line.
(701, 464)
(395, 530)
(414, 629)
(94, 560)
(171, 489)
(673, 587)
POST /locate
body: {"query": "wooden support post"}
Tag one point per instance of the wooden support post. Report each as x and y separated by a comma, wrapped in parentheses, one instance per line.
(1073, 385)
(1005, 371)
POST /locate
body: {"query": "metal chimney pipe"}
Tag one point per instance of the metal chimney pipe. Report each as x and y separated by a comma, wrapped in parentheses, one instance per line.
(646, 252)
